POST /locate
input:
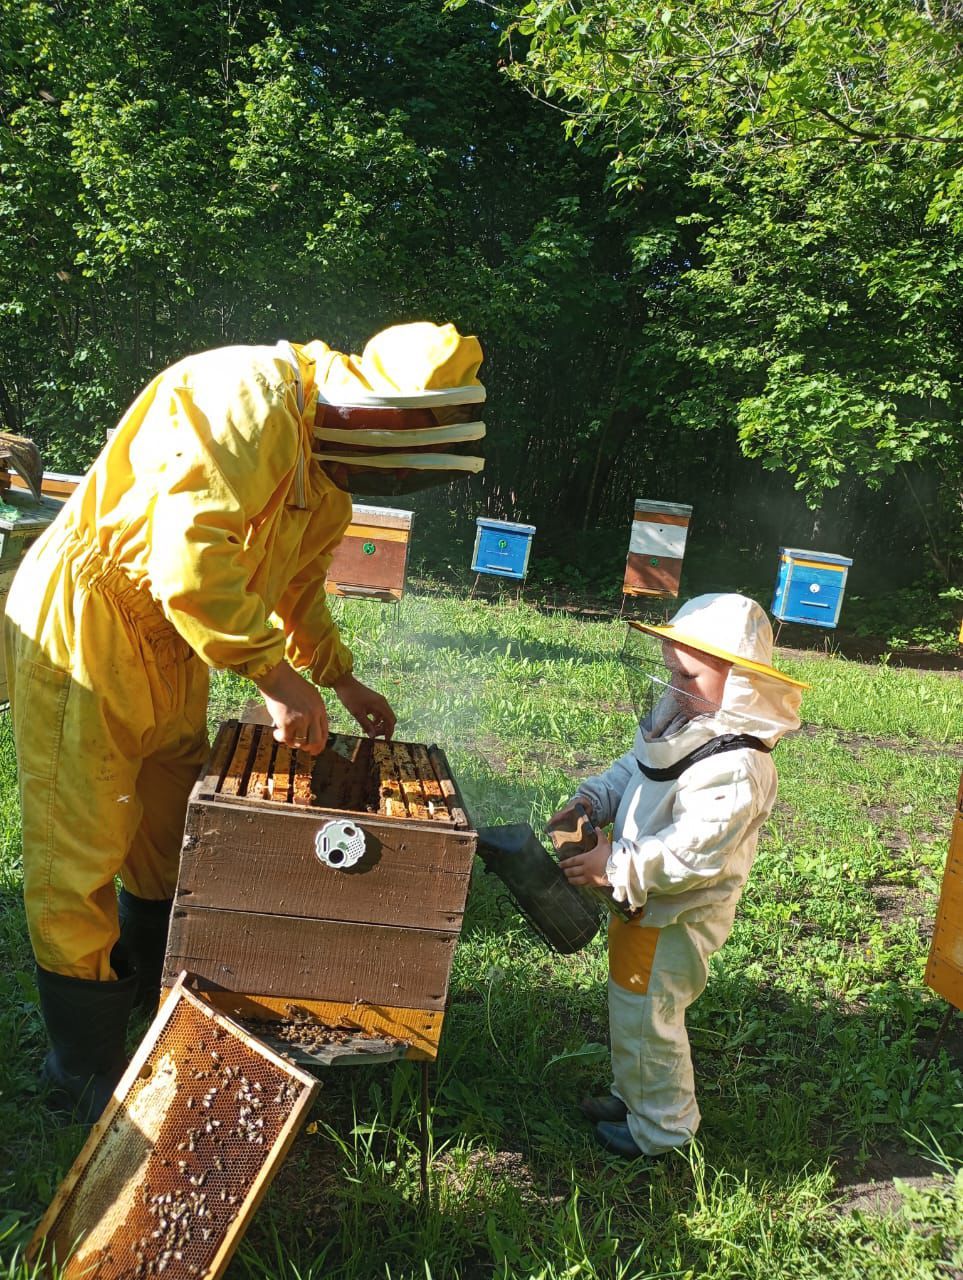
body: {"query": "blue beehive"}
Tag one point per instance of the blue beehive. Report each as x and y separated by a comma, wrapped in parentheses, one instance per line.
(809, 587)
(502, 548)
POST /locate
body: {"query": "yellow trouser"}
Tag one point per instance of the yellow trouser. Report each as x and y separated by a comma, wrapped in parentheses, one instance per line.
(109, 716)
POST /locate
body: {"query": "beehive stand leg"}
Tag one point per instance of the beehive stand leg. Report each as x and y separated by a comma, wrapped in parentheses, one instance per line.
(941, 1031)
(474, 585)
(778, 629)
(423, 1131)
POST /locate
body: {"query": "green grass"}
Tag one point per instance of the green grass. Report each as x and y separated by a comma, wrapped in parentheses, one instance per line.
(809, 1040)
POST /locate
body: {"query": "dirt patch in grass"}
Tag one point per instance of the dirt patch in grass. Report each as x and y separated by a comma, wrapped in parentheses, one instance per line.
(461, 1171)
(896, 902)
(867, 650)
(855, 741)
(865, 1183)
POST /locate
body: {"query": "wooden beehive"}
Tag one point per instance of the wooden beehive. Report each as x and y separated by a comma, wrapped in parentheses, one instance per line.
(269, 931)
(944, 969)
(653, 565)
(371, 560)
(55, 484)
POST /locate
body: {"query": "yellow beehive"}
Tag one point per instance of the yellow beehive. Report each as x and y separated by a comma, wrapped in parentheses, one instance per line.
(944, 969)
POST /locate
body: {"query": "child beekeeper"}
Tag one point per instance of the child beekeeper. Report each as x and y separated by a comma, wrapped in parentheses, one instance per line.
(687, 803)
(199, 538)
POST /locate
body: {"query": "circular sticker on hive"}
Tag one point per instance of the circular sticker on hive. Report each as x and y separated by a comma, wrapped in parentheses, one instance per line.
(368, 548)
(814, 588)
(339, 843)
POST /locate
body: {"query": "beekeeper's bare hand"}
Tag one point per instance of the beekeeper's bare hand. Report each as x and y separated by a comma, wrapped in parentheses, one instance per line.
(367, 706)
(589, 868)
(566, 815)
(297, 709)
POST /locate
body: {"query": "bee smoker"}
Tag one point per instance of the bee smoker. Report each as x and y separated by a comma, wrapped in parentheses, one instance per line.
(557, 911)
(579, 836)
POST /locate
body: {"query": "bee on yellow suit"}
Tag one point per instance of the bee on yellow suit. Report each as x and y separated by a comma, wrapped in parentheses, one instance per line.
(199, 538)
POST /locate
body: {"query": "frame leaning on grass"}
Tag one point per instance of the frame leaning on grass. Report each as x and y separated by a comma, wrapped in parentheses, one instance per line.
(808, 1041)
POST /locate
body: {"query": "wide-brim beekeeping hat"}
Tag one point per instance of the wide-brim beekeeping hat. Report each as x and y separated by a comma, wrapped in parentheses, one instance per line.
(404, 414)
(727, 626)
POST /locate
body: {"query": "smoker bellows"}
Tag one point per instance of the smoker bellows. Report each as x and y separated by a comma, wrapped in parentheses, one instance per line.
(336, 884)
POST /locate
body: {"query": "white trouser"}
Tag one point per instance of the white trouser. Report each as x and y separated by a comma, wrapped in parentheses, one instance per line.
(654, 975)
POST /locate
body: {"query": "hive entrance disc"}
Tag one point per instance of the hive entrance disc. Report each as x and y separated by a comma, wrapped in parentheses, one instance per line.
(339, 843)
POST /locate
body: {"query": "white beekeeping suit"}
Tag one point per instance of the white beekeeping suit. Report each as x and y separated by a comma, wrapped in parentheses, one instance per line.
(687, 803)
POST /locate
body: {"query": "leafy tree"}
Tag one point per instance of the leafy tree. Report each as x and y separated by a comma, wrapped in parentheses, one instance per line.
(811, 295)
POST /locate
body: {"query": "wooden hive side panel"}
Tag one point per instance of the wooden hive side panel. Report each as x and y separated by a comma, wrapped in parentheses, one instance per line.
(262, 858)
(383, 568)
(330, 960)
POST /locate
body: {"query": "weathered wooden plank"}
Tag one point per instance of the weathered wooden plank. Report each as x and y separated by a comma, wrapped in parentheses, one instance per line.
(315, 959)
(220, 757)
(232, 784)
(411, 787)
(434, 795)
(301, 778)
(456, 806)
(260, 783)
(282, 774)
(389, 784)
(252, 857)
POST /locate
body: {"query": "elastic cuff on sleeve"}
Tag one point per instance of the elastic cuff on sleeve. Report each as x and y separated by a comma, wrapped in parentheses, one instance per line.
(618, 872)
(331, 671)
(257, 668)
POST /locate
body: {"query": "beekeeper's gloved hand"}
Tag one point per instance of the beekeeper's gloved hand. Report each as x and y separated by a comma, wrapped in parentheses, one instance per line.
(367, 706)
(297, 709)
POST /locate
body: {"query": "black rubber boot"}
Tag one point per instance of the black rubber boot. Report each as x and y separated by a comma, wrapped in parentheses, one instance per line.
(607, 1107)
(143, 940)
(86, 1024)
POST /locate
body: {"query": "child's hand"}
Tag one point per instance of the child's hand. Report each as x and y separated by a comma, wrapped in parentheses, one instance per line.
(589, 868)
(567, 812)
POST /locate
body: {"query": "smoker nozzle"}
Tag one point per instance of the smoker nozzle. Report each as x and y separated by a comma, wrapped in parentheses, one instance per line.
(558, 912)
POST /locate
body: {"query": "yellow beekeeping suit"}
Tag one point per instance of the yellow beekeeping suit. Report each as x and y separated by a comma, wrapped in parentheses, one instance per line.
(200, 537)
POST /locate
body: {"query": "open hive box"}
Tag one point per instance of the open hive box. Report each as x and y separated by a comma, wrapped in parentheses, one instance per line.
(320, 899)
(172, 1172)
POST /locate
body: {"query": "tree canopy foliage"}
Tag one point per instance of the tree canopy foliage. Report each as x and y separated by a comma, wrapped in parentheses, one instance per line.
(806, 284)
(751, 259)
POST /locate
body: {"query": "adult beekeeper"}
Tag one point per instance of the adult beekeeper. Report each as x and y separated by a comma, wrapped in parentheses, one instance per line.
(687, 802)
(199, 538)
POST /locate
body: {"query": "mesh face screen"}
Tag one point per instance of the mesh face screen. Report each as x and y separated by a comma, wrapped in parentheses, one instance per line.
(172, 1180)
